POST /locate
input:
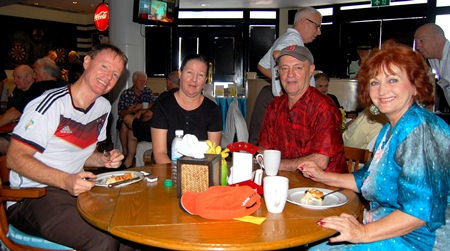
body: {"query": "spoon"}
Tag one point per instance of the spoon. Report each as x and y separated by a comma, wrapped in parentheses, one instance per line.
(338, 190)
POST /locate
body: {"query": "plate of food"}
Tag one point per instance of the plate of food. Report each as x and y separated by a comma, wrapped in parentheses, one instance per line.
(309, 197)
(118, 178)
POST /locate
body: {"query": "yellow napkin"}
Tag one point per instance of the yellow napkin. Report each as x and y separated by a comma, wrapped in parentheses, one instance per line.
(252, 219)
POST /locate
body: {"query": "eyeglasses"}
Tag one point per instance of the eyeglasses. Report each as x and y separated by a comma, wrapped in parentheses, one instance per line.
(315, 24)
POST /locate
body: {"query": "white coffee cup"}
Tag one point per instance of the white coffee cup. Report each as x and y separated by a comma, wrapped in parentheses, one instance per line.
(270, 161)
(145, 105)
(275, 193)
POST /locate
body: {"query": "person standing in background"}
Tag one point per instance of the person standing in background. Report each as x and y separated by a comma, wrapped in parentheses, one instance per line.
(363, 50)
(432, 44)
(307, 24)
(263, 99)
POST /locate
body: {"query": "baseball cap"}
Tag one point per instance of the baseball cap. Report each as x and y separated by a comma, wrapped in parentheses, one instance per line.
(299, 52)
(221, 202)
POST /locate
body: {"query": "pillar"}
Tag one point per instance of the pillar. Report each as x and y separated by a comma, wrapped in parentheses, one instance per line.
(130, 38)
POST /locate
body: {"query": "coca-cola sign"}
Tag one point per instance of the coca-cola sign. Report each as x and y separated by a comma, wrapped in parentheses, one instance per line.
(101, 17)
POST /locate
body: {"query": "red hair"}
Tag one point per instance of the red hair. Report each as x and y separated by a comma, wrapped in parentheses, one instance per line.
(394, 54)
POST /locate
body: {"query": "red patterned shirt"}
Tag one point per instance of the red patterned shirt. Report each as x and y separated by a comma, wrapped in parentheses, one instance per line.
(313, 125)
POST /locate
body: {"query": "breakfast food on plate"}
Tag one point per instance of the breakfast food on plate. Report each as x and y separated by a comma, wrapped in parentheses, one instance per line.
(312, 197)
(116, 178)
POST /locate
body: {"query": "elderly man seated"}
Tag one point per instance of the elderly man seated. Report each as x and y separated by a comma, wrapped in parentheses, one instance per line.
(303, 123)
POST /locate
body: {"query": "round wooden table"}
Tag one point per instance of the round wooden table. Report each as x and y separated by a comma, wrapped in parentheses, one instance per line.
(149, 213)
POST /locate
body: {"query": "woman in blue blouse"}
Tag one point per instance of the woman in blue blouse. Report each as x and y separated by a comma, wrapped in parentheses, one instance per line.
(407, 181)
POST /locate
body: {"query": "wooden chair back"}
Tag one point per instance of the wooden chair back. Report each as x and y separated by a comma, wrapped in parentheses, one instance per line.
(355, 157)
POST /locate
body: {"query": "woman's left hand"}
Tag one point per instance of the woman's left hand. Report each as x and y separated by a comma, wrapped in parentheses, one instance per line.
(347, 225)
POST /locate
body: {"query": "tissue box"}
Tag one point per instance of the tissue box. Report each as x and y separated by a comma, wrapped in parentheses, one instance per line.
(196, 175)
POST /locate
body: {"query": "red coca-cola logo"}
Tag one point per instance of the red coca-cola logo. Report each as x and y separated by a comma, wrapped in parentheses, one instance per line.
(101, 17)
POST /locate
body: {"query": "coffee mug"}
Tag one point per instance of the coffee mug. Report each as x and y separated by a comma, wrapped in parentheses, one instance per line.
(270, 161)
(275, 193)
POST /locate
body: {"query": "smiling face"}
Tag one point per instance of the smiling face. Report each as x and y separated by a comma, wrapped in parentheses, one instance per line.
(392, 92)
(295, 75)
(103, 71)
(193, 77)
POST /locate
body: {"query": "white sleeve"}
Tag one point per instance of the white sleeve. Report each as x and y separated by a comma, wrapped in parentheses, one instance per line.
(288, 39)
(35, 127)
(265, 60)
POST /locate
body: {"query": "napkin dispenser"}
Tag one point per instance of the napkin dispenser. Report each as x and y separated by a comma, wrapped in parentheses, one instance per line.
(196, 175)
(242, 169)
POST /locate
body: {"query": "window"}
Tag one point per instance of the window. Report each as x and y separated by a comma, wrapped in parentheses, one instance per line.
(263, 14)
(442, 3)
(443, 21)
(210, 14)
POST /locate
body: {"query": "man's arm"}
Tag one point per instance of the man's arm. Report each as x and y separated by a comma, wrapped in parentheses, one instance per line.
(20, 159)
(11, 115)
(265, 71)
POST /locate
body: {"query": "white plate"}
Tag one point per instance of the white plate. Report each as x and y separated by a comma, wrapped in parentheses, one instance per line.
(333, 200)
(101, 178)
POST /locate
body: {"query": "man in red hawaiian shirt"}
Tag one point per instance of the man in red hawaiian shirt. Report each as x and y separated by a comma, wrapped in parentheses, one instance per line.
(303, 123)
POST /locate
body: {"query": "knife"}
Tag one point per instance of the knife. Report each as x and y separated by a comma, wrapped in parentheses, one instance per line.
(123, 182)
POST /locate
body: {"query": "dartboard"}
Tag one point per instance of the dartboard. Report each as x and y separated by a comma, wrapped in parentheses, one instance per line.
(61, 59)
(17, 52)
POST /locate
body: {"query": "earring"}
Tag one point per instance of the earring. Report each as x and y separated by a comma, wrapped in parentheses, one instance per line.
(374, 110)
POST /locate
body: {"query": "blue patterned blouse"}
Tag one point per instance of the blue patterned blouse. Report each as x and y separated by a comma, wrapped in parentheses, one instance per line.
(409, 172)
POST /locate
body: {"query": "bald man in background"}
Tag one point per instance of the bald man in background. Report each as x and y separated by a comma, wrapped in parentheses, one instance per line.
(432, 44)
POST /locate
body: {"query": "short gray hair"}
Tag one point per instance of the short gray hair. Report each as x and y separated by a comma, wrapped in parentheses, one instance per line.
(136, 74)
(49, 66)
(303, 12)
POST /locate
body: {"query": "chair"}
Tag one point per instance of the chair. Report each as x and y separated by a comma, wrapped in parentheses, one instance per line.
(143, 152)
(235, 124)
(10, 237)
(242, 146)
(355, 157)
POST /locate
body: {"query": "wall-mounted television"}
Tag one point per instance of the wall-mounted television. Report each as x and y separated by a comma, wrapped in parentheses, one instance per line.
(155, 12)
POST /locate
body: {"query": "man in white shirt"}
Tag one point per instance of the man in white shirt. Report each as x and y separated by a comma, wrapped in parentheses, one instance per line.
(307, 24)
(431, 42)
